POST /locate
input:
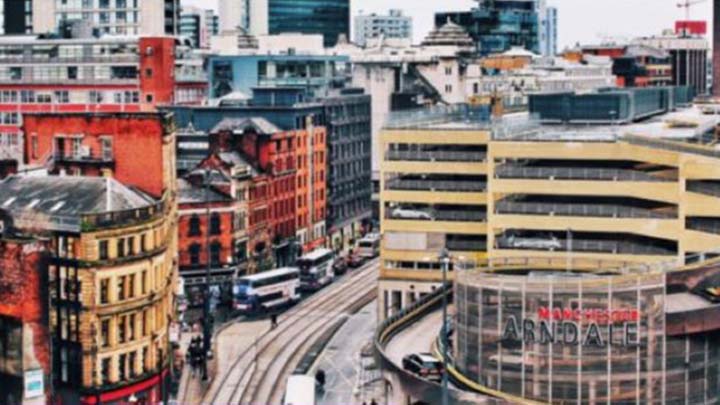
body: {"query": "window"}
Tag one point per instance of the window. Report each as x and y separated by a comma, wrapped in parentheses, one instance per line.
(148, 73)
(16, 73)
(121, 288)
(215, 224)
(122, 367)
(143, 242)
(132, 360)
(131, 286)
(105, 333)
(215, 253)
(194, 226)
(105, 371)
(121, 248)
(121, 329)
(149, 98)
(143, 282)
(103, 250)
(104, 285)
(131, 324)
(106, 148)
(131, 246)
(195, 254)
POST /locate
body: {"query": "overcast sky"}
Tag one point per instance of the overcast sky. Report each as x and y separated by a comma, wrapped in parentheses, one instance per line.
(584, 21)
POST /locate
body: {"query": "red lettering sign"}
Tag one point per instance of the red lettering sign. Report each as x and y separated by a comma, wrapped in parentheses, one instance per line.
(601, 316)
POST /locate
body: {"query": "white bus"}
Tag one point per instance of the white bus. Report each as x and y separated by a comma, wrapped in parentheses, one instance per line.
(316, 269)
(369, 246)
(300, 390)
(267, 290)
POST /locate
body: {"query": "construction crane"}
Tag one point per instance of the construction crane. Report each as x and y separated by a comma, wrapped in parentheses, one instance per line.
(687, 4)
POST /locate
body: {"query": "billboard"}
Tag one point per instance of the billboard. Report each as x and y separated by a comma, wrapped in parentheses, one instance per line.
(688, 27)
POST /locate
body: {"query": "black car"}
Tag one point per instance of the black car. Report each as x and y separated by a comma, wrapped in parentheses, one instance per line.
(424, 365)
(340, 266)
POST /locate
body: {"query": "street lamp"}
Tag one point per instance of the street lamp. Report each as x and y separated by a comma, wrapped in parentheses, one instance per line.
(207, 327)
(445, 259)
(569, 242)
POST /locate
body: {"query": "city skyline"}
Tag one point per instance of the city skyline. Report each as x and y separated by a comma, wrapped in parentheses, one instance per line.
(582, 21)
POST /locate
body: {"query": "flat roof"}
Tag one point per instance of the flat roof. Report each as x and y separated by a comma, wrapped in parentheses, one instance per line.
(271, 273)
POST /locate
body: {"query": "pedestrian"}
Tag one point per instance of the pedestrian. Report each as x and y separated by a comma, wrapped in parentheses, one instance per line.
(192, 354)
(273, 321)
(373, 402)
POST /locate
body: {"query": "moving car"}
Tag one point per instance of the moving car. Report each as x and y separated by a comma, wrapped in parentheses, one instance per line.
(424, 365)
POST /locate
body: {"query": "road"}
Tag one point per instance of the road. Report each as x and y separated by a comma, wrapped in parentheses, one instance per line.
(347, 379)
(254, 361)
(418, 338)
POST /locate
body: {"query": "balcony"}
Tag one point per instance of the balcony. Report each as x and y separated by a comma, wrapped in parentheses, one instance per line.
(84, 157)
(119, 219)
(580, 173)
(580, 210)
(435, 156)
(437, 185)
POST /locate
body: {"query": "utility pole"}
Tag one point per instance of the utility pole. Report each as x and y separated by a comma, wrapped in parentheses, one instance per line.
(207, 327)
(445, 258)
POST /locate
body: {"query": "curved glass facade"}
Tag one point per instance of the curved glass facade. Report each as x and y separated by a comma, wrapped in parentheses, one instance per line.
(327, 17)
(564, 338)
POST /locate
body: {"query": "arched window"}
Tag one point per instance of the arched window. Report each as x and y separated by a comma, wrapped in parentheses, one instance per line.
(215, 224)
(194, 226)
(194, 252)
(215, 249)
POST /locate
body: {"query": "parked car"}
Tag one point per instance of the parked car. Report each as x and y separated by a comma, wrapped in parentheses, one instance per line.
(340, 266)
(399, 213)
(423, 365)
(354, 261)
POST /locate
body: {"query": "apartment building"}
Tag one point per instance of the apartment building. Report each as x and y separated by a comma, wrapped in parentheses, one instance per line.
(393, 25)
(111, 281)
(108, 74)
(113, 229)
(198, 25)
(602, 185)
(25, 359)
(117, 17)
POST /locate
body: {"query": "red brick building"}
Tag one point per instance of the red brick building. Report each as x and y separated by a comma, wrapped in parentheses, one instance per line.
(211, 224)
(24, 323)
(130, 146)
(289, 187)
(107, 74)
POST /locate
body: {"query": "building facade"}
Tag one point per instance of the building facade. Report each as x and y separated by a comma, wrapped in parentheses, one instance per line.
(688, 57)
(233, 14)
(108, 74)
(549, 47)
(198, 25)
(25, 358)
(539, 335)
(347, 119)
(331, 18)
(117, 17)
(113, 229)
(497, 26)
(616, 193)
(212, 227)
(393, 25)
(16, 17)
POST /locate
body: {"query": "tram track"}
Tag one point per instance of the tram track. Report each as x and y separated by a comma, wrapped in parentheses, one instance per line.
(257, 374)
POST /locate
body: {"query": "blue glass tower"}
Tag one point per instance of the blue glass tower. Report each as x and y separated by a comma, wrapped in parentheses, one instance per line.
(327, 17)
(498, 25)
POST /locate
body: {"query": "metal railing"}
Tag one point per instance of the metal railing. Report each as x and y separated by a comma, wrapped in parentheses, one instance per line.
(554, 173)
(436, 185)
(435, 156)
(704, 225)
(113, 58)
(582, 245)
(672, 146)
(91, 157)
(114, 219)
(466, 246)
(580, 210)
(711, 189)
(460, 115)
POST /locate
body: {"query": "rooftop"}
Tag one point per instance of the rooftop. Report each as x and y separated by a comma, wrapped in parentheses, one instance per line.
(189, 193)
(241, 125)
(60, 203)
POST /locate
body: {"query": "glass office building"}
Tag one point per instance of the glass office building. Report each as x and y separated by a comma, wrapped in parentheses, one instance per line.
(327, 17)
(499, 25)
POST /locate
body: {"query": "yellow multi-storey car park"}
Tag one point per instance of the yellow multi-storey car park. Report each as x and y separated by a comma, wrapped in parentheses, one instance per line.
(585, 196)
